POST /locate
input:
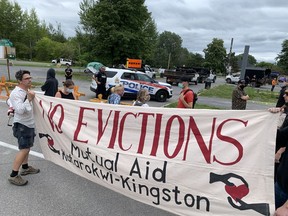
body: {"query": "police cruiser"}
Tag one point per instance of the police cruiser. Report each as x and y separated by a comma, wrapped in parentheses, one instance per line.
(133, 81)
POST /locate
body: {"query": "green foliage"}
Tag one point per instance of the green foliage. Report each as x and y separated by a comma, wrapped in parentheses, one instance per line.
(215, 55)
(282, 57)
(118, 29)
(225, 91)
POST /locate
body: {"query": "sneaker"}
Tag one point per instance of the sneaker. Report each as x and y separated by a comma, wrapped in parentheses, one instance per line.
(30, 170)
(17, 180)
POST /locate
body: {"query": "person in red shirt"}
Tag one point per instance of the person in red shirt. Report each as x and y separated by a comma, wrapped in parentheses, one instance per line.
(186, 96)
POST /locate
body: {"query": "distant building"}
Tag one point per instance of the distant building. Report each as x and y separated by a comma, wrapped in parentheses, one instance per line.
(6, 48)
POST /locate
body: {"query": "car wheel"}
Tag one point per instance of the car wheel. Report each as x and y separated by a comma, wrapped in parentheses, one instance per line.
(228, 80)
(161, 96)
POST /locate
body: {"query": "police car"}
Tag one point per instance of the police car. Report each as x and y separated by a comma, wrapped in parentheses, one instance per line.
(133, 81)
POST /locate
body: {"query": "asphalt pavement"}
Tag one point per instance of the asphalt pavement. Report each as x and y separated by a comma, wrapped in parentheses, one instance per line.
(56, 191)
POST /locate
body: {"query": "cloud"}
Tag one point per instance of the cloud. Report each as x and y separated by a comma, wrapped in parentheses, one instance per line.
(261, 24)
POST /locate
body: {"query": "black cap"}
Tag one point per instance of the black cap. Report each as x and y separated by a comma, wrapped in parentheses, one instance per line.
(184, 79)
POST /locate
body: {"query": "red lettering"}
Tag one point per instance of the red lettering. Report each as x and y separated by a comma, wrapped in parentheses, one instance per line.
(231, 140)
(121, 129)
(157, 130)
(180, 136)
(206, 152)
(80, 123)
(114, 129)
(51, 113)
(100, 123)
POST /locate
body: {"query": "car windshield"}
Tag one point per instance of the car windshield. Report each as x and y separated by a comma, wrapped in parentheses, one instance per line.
(144, 77)
(110, 74)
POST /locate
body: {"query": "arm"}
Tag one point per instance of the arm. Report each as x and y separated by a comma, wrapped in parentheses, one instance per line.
(58, 95)
(245, 97)
(189, 98)
(283, 210)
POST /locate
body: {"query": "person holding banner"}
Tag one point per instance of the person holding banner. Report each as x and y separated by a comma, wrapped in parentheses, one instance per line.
(117, 93)
(142, 98)
(281, 185)
(68, 91)
(23, 128)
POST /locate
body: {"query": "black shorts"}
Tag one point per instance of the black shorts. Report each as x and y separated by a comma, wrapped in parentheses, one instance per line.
(24, 134)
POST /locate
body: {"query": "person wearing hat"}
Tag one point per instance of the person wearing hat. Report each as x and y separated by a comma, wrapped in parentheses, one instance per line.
(239, 97)
(186, 95)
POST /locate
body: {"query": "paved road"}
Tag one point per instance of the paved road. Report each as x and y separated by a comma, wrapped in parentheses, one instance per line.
(56, 191)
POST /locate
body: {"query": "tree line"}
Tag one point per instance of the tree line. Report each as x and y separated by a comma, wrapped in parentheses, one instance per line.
(111, 31)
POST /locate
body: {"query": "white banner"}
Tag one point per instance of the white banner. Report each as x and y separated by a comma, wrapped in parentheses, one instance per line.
(185, 161)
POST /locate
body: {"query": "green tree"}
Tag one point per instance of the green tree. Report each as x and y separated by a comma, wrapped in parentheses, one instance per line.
(118, 29)
(282, 58)
(11, 24)
(215, 56)
(195, 60)
(169, 48)
(251, 60)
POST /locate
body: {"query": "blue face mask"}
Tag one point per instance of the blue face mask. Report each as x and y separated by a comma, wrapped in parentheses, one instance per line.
(69, 90)
(180, 85)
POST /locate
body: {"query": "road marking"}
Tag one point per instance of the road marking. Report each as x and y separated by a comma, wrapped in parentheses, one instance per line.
(6, 145)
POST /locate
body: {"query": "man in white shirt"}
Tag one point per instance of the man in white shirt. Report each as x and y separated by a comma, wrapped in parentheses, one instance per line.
(23, 128)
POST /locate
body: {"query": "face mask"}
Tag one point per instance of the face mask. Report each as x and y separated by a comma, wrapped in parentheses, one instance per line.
(69, 90)
(180, 85)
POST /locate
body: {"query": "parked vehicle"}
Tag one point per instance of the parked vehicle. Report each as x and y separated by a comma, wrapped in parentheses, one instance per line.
(93, 67)
(174, 76)
(261, 76)
(133, 81)
(232, 78)
(204, 73)
(62, 61)
(145, 69)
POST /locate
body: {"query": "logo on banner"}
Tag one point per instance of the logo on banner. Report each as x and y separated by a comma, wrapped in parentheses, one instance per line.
(238, 191)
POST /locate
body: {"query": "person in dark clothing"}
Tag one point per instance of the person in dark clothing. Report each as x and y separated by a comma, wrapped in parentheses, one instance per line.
(68, 90)
(51, 84)
(239, 97)
(68, 73)
(101, 79)
(281, 185)
(281, 100)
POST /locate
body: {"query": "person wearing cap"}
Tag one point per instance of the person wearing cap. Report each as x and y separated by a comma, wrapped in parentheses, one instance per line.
(239, 97)
(186, 96)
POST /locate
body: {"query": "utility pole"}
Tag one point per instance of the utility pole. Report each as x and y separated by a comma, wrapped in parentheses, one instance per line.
(244, 61)
(229, 57)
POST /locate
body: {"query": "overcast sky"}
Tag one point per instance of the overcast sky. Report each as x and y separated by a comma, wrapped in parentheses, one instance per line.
(261, 24)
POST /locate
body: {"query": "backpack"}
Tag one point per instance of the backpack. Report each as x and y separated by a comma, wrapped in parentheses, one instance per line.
(195, 96)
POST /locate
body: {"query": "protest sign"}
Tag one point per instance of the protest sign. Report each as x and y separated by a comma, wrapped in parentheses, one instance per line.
(189, 162)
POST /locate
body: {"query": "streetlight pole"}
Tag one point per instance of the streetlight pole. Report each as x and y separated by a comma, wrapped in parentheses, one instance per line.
(169, 59)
